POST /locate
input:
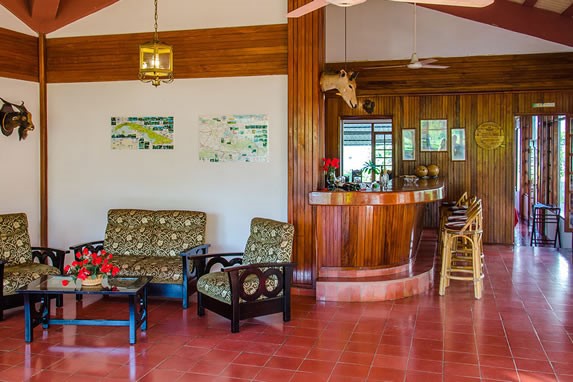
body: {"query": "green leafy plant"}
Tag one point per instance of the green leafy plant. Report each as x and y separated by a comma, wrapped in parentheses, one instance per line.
(371, 168)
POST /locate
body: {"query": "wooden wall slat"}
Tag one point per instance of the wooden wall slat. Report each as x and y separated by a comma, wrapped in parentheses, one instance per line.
(306, 52)
(488, 174)
(201, 53)
(466, 74)
(19, 59)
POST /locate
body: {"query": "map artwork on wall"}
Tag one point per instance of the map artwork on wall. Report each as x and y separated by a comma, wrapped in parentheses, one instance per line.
(228, 138)
(142, 133)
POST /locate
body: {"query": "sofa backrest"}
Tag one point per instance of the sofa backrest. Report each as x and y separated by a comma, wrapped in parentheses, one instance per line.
(153, 233)
(270, 241)
(15, 247)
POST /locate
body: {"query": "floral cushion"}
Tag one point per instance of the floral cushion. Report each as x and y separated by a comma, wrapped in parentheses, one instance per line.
(15, 245)
(176, 231)
(125, 264)
(164, 269)
(129, 232)
(269, 241)
(217, 286)
(153, 233)
(17, 276)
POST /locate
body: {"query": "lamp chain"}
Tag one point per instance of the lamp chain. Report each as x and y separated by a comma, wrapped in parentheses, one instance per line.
(155, 35)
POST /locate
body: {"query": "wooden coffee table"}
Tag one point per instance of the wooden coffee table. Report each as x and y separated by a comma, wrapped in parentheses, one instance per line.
(39, 291)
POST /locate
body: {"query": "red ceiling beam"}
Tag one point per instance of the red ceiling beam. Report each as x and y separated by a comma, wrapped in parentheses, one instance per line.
(45, 16)
(505, 14)
(46, 10)
(568, 12)
(529, 3)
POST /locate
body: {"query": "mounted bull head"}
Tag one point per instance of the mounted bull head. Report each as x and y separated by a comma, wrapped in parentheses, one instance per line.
(344, 82)
(11, 119)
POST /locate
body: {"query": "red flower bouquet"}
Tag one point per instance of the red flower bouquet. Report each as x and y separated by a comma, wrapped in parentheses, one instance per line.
(330, 165)
(90, 265)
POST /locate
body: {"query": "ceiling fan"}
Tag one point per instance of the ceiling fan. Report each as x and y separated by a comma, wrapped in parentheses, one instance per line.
(317, 4)
(415, 63)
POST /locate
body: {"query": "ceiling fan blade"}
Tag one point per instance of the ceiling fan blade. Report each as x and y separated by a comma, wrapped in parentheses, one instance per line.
(454, 3)
(428, 61)
(435, 66)
(307, 8)
(384, 67)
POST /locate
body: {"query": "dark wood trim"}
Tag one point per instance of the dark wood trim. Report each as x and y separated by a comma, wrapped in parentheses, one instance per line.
(465, 75)
(202, 53)
(43, 141)
(19, 58)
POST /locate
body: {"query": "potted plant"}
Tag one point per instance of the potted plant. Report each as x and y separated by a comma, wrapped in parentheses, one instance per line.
(371, 168)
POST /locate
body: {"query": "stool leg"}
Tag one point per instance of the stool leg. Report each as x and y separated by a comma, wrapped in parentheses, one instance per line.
(445, 263)
(477, 269)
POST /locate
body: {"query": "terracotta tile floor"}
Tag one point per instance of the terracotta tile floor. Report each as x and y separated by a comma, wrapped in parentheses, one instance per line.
(520, 331)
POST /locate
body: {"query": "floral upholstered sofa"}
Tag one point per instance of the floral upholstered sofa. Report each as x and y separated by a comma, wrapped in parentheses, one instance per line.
(20, 263)
(155, 243)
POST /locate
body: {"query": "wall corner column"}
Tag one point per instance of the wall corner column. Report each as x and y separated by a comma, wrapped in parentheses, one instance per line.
(43, 140)
(306, 57)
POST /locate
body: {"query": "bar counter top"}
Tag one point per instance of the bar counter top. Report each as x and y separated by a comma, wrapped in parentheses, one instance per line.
(397, 192)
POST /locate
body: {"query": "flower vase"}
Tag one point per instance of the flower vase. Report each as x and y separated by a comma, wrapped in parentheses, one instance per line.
(330, 180)
(93, 281)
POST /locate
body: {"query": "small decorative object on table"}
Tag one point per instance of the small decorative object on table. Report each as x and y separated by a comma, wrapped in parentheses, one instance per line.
(421, 171)
(90, 267)
(329, 166)
(384, 179)
(433, 171)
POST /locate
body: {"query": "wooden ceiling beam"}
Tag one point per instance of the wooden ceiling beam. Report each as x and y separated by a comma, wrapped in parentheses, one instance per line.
(44, 9)
(512, 16)
(568, 12)
(529, 3)
(45, 16)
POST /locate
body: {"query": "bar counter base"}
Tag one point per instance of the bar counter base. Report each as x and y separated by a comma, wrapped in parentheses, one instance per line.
(417, 280)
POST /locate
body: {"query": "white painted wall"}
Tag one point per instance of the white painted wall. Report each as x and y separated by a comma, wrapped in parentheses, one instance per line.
(132, 16)
(87, 178)
(9, 21)
(383, 30)
(20, 160)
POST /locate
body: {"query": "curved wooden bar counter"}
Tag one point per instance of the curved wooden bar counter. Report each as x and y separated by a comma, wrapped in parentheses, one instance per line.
(369, 237)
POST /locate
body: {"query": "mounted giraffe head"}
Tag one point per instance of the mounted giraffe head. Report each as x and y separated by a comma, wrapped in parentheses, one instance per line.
(344, 82)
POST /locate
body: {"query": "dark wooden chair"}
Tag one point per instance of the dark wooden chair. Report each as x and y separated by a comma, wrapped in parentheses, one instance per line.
(20, 263)
(253, 283)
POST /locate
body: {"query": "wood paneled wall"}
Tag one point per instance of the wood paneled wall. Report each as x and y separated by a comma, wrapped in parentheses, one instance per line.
(306, 56)
(201, 53)
(19, 58)
(524, 72)
(488, 174)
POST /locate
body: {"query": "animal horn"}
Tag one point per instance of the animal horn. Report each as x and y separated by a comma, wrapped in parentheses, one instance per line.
(353, 75)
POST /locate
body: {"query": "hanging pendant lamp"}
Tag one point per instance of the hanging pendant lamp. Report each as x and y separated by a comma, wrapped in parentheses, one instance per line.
(155, 60)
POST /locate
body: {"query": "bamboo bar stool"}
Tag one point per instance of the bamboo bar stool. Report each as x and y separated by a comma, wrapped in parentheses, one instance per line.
(462, 256)
(448, 209)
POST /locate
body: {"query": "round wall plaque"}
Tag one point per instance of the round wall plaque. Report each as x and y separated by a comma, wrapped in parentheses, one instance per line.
(489, 135)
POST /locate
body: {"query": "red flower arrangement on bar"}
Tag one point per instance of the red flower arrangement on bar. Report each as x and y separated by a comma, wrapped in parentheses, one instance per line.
(90, 265)
(330, 165)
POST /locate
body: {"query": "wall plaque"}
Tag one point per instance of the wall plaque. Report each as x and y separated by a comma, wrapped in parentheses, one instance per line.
(489, 135)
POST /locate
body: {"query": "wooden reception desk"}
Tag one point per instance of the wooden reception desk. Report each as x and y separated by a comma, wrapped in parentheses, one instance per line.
(370, 234)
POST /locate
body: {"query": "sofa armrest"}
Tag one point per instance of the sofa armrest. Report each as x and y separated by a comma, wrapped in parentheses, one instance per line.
(93, 246)
(276, 275)
(56, 256)
(204, 263)
(197, 250)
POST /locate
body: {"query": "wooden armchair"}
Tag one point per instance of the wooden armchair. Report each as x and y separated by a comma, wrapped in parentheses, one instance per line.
(20, 263)
(250, 284)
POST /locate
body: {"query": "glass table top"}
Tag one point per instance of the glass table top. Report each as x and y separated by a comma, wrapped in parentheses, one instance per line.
(112, 285)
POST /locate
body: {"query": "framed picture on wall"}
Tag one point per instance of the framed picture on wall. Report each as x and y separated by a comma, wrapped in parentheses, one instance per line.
(458, 138)
(408, 144)
(434, 135)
